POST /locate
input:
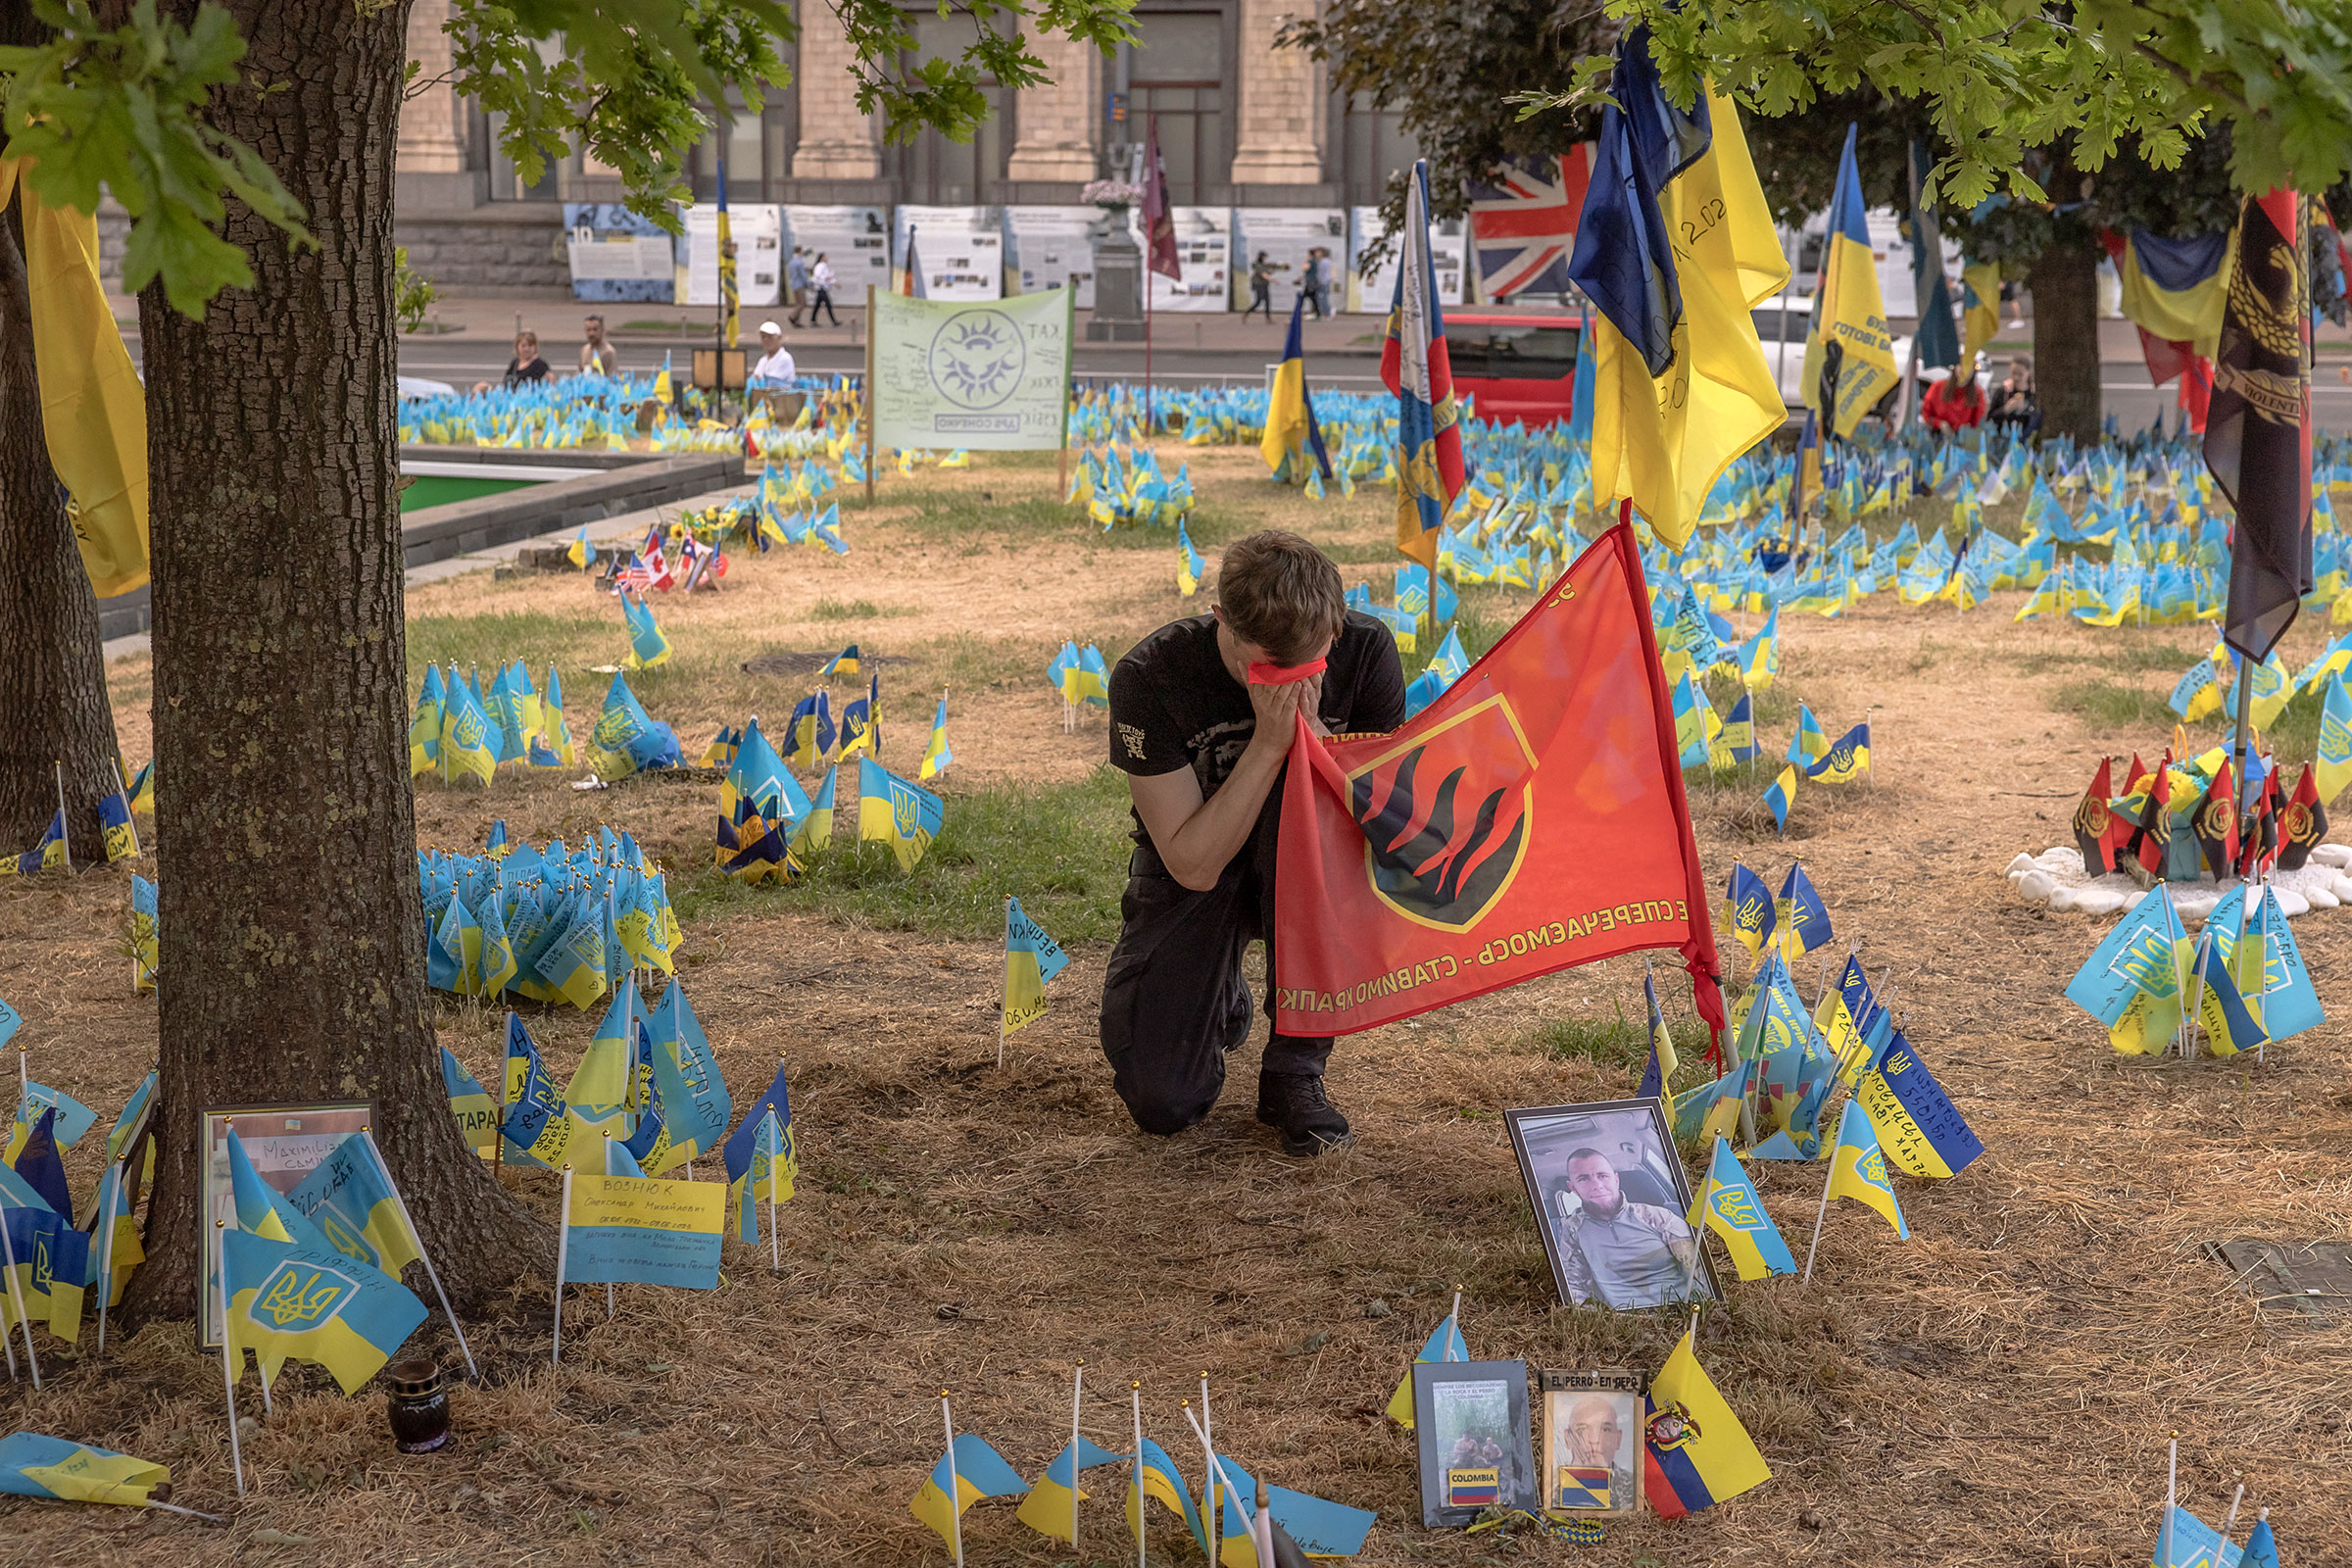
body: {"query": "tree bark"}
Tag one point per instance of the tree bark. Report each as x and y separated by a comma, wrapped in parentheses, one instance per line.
(2065, 282)
(52, 671)
(292, 925)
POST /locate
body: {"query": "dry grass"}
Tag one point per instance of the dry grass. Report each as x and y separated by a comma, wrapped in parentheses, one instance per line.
(1998, 1391)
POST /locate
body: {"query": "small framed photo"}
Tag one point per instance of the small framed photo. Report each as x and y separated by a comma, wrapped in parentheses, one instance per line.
(1591, 1441)
(1609, 1196)
(1471, 1418)
(285, 1144)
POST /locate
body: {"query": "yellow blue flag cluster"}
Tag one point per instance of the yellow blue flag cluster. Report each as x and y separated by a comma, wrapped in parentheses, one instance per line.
(545, 924)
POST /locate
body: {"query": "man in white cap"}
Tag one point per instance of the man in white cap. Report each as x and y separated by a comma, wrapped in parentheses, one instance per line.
(775, 368)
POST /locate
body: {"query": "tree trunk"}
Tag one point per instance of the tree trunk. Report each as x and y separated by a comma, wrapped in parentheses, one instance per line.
(2065, 282)
(52, 674)
(292, 926)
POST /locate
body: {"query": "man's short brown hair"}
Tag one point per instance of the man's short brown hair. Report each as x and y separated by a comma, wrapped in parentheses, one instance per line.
(1276, 590)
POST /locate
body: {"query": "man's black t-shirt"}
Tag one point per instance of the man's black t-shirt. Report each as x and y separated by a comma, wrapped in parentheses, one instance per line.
(1174, 705)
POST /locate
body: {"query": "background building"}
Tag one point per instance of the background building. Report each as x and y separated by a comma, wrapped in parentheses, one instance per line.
(1242, 123)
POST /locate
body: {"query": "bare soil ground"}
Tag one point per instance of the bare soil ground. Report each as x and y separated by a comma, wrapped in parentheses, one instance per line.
(1998, 1390)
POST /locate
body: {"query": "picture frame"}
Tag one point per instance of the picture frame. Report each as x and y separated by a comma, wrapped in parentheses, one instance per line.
(1643, 1253)
(285, 1144)
(1592, 1441)
(1470, 1419)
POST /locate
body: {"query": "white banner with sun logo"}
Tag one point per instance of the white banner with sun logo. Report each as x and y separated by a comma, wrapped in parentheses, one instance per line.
(993, 375)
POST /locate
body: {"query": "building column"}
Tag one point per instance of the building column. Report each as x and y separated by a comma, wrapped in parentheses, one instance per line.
(836, 142)
(432, 125)
(1056, 125)
(1282, 106)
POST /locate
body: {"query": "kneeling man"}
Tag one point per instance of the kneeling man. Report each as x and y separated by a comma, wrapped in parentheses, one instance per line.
(1203, 749)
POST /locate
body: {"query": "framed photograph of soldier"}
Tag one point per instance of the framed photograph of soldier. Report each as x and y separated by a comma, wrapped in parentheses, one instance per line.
(285, 1144)
(1610, 1196)
(1591, 1441)
(1471, 1419)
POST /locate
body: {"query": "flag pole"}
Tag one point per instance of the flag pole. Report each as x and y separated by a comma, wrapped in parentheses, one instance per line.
(108, 1185)
(2171, 1492)
(16, 1297)
(228, 1381)
(1077, 1393)
(956, 1484)
(1208, 1467)
(64, 828)
(425, 1257)
(1823, 1211)
(563, 1256)
(1003, 1001)
(775, 1243)
(1137, 1391)
(128, 815)
(869, 498)
(1216, 1468)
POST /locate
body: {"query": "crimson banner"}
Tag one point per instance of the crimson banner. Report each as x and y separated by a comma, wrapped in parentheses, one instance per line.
(1529, 820)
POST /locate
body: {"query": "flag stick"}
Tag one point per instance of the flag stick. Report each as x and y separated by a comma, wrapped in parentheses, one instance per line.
(1698, 1236)
(6, 1344)
(1208, 1467)
(1823, 1211)
(868, 389)
(1077, 1391)
(1137, 1391)
(228, 1381)
(563, 1256)
(2172, 1490)
(64, 828)
(16, 1297)
(2231, 1522)
(426, 1258)
(954, 1485)
(1004, 1001)
(1218, 1469)
(108, 1185)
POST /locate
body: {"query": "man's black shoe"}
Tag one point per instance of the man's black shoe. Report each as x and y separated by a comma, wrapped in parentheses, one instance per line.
(1293, 1103)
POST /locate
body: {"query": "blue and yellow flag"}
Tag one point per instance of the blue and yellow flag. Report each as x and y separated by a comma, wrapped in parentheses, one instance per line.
(262, 1211)
(2222, 1012)
(1292, 434)
(1031, 958)
(762, 1160)
(1800, 921)
(74, 1118)
(1657, 1074)
(808, 733)
(2175, 289)
(536, 1129)
(468, 1102)
(844, 662)
(1444, 1344)
(1808, 745)
(115, 1245)
(1052, 1506)
(1980, 308)
(859, 731)
(2131, 982)
(142, 786)
(694, 1102)
(1749, 909)
(1779, 795)
(816, 830)
(49, 854)
(350, 1196)
(1919, 1129)
(1849, 355)
(969, 1472)
(1191, 570)
(1760, 655)
(1737, 742)
(936, 756)
(1711, 1109)
(1734, 1210)
(580, 552)
(648, 644)
(1846, 760)
(114, 821)
(637, 1229)
(310, 1302)
(551, 744)
(758, 781)
(2334, 767)
(36, 1161)
(35, 1466)
(1697, 1453)
(468, 744)
(894, 811)
(1160, 1479)
(1858, 1169)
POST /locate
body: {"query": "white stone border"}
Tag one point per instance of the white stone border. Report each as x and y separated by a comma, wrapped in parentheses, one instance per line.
(2055, 877)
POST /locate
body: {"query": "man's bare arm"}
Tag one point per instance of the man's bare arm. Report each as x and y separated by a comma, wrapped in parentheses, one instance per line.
(1198, 839)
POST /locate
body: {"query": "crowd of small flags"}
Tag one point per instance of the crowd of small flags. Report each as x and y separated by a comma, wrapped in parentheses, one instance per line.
(548, 924)
(2239, 986)
(1238, 1520)
(1081, 677)
(1123, 487)
(117, 809)
(462, 729)
(2191, 817)
(593, 412)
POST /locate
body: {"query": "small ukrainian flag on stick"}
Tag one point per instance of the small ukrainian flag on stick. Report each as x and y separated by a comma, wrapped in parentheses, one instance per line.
(1031, 958)
(937, 756)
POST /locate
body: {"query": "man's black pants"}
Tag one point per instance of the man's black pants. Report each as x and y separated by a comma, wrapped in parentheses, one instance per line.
(1174, 1002)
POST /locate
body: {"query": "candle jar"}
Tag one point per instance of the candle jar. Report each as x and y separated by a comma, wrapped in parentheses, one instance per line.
(417, 1406)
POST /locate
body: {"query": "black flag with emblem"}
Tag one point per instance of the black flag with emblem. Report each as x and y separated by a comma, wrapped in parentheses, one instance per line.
(2258, 429)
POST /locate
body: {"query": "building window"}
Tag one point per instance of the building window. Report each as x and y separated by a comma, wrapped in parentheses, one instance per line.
(934, 171)
(1374, 148)
(506, 181)
(1178, 77)
(757, 148)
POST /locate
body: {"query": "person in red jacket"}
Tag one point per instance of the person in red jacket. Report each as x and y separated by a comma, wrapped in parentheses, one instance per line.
(1955, 403)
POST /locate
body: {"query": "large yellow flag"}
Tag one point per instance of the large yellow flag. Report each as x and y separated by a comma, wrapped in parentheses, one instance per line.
(1849, 355)
(1665, 442)
(93, 410)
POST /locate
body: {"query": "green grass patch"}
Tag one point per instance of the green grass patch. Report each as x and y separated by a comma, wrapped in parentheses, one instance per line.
(852, 610)
(1613, 1042)
(500, 637)
(1062, 850)
(2104, 705)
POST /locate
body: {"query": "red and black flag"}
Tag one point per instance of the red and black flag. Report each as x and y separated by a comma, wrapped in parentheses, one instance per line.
(2215, 823)
(2303, 824)
(2258, 429)
(2151, 838)
(2092, 819)
(2258, 833)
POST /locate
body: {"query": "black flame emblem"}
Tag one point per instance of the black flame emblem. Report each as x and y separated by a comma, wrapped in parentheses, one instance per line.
(1445, 817)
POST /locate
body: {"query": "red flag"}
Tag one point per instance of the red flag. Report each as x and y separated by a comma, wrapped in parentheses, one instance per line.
(1159, 219)
(2303, 824)
(2093, 818)
(1529, 819)
(2215, 822)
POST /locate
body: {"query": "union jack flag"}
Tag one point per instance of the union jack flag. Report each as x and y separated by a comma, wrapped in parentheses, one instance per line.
(1523, 224)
